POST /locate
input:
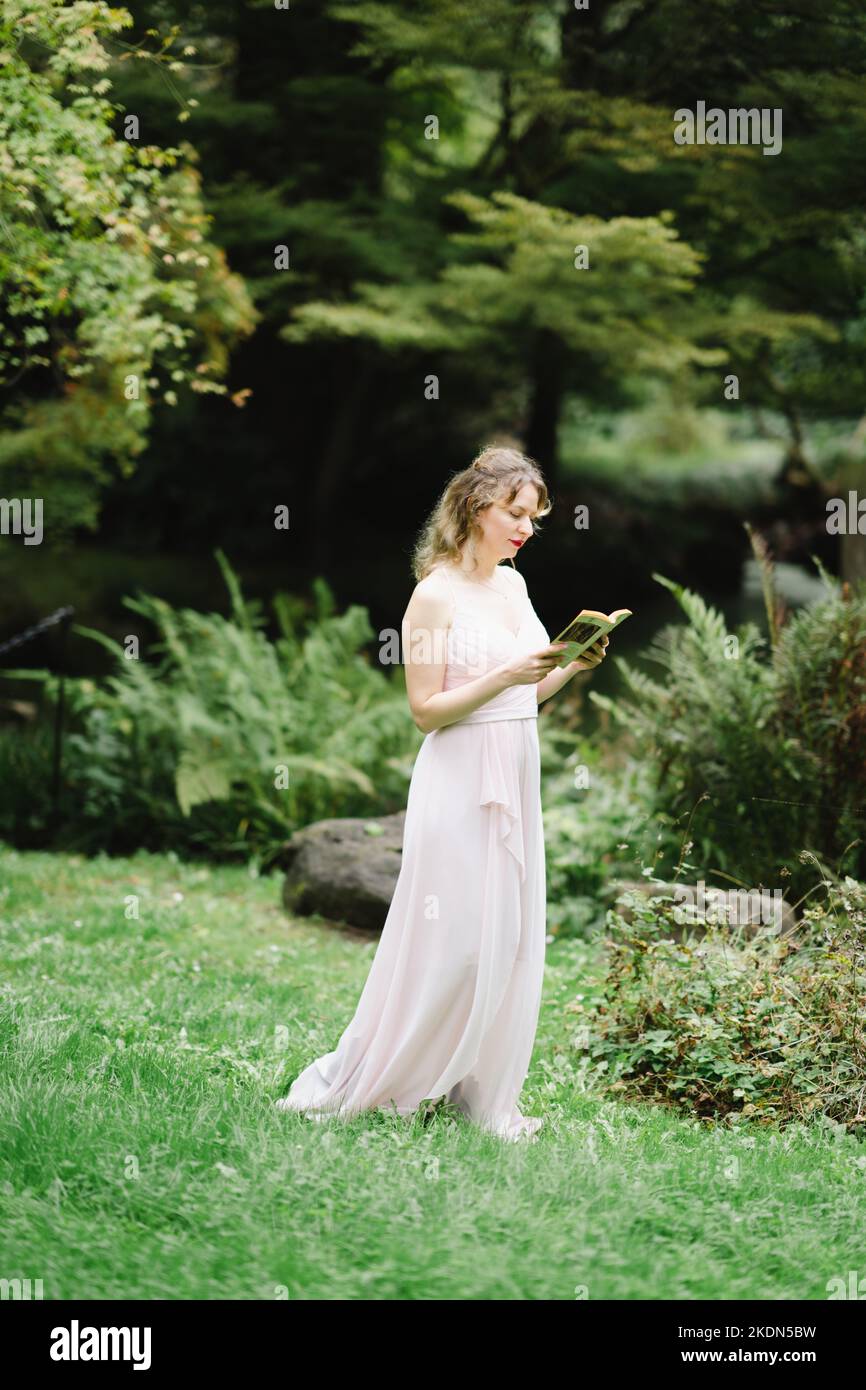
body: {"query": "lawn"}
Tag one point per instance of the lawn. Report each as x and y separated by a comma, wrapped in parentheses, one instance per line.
(152, 1010)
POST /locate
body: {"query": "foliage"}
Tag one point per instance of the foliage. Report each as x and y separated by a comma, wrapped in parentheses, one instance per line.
(25, 783)
(595, 821)
(227, 742)
(112, 297)
(556, 130)
(766, 1027)
(521, 278)
(762, 757)
(671, 459)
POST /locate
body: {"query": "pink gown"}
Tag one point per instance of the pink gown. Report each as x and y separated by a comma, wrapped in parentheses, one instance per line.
(450, 1006)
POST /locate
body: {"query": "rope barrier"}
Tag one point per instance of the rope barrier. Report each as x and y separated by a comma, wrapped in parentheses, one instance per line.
(30, 632)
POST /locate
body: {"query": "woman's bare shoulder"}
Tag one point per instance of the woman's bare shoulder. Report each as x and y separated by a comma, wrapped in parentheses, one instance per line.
(515, 577)
(431, 600)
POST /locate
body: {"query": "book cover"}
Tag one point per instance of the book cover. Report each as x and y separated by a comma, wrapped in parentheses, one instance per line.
(586, 629)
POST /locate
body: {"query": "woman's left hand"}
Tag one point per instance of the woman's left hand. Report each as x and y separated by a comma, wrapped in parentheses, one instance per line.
(592, 657)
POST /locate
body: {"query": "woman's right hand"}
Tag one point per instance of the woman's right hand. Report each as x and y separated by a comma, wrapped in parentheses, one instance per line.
(531, 667)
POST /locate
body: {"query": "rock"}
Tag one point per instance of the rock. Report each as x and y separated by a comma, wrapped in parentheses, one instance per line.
(753, 910)
(345, 869)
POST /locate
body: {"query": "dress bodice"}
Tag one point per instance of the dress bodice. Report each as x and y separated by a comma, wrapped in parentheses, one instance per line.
(476, 644)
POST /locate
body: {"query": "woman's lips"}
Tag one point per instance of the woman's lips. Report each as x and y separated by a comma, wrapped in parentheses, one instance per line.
(517, 543)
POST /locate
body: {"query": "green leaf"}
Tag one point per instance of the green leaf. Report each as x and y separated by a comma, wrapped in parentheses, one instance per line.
(197, 781)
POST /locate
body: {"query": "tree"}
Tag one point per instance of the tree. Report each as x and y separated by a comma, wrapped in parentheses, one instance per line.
(113, 298)
(568, 115)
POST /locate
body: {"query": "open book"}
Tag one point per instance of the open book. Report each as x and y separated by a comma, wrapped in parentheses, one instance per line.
(586, 629)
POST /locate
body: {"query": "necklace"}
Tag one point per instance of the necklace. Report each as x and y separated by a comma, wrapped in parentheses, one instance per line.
(485, 582)
(508, 597)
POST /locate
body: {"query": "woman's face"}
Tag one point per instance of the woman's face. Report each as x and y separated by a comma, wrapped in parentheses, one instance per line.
(507, 526)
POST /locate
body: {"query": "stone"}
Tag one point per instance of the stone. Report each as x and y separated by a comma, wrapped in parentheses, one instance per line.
(344, 869)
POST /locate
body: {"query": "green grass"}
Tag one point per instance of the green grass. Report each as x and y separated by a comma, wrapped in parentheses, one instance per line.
(140, 1156)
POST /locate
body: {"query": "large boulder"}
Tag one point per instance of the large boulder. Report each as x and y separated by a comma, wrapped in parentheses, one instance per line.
(344, 869)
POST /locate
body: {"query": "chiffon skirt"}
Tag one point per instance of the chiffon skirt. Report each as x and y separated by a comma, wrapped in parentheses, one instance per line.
(450, 1006)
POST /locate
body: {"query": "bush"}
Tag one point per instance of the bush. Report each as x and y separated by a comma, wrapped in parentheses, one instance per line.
(761, 1028)
(757, 757)
(25, 784)
(594, 824)
(228, 742)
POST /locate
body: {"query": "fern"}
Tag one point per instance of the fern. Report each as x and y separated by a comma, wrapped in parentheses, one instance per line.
(770, 744)
(772, 603)
(181, 748)
(708, 623)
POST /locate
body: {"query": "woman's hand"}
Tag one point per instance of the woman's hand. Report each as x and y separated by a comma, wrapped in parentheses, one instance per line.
(532, 667)
(590, 658)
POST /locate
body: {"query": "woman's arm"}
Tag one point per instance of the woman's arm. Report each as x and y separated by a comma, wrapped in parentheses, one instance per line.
(555, 681)
(560, 677)
(424, 633)
(427, 618)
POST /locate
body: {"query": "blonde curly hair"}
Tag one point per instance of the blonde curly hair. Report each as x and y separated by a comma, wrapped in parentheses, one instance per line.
(496, 474)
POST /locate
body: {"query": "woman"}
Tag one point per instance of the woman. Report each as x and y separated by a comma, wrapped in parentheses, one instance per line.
(450, 1006)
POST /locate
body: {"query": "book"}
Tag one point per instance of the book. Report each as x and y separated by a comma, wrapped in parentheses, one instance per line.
(586, 629)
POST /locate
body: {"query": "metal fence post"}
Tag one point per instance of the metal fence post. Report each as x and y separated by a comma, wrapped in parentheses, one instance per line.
(58, 716)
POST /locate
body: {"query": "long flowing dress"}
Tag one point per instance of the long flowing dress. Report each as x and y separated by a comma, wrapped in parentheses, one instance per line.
(450, 1006)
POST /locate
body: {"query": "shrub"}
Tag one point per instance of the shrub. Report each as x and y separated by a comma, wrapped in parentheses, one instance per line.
(769, 754)
(766, 1027)
(227, 742)
(25, 783)
(590, 831)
